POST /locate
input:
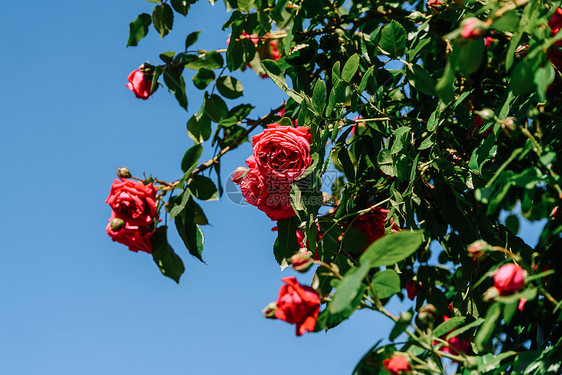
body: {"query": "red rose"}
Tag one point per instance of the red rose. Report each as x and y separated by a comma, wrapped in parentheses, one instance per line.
(135, 237)
(509, 279)
(412, 289)
(555, 23)
(456, 344)
(298, 304)
(397, 364)
(434, 4)
(282, 153)
(472, 27)
(140, 83)
(133, 201)
(276, 201)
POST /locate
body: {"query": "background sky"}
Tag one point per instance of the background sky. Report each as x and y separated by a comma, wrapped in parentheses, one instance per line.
(74, 302)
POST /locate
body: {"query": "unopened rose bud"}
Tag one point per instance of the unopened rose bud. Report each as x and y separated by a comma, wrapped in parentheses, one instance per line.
(302, 261)
(427, 314)
(123, 172)
(416, 16)
(146, 68)
(522, 50)
(116, 224)
(405, 316)
(412, 288)
(486, 114)
(509, 123)
(269, 311)
(239, 174)
(478, 249)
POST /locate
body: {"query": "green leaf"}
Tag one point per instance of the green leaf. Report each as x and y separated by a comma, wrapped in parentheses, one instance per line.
(181, 6)
(203, 188)
(169, 263)
(215, 108)
(203, 77)
(286, 244)
(173, 78)
(319, 96)
(522, 78)
(211, 60)
(350, 68)
(385, 284)
(465, 328)
(470, 57)
(138, 29)
(190, 232)
(230, 87)
(487, 329)
(191, 158)
(191, 39)
(245, 5)
(507, 22)
(365, 80)
(168, 56)
(449, 325)
(421, 80)
(179, 207)
(163, 19)
(384, 160)
(393, 39)
(199, 129)
(277, 76)
(348, 289)
(392, 248)
(543, 78)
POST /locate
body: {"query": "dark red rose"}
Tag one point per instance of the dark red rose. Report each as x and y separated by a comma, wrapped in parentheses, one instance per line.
(133, 201)
(282, 153)
(555, 23)
(412, 289)
(298, 304)
(397, 365)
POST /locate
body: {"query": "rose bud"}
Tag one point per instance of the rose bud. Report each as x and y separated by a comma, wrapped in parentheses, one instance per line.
(239, 174)
(397, 364)
(116, 224)
(522, 50)
(427, 314)
(472, 27)
(123, 172)
(509, 279)
(487, 114)
(478, 249)
(302, 261)
(269, 311)
(405, 316)
(412, 289)
(435, 4)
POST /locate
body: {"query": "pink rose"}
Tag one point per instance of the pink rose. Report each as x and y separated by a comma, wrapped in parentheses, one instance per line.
(133, 201)
(134, 237)
(298, 304)
(397, 364)
(434, 4)
(509, 279)
(282, 153)
(472, 27)
(140, 82)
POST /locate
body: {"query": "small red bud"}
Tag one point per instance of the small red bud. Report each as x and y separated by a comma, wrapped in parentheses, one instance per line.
(478, 249)
(302, 261)
(239, 174)
(427, 314)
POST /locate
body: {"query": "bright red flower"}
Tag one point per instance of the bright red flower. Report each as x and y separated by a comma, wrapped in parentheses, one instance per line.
(282, 153)
(509, 279)
(397, 364)
(298, 304)
(140, 83)
(412, 289)
(555, 23)
(133, 201)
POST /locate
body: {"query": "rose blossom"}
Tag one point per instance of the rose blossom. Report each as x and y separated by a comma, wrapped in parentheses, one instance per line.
(555, 23)
(434, 4)
(472, 27)
(298, 304)
(140, 83)
(397, 364)
(509, 279)
(412, 289)
(133, 201)
(134, 237)
(282, 153)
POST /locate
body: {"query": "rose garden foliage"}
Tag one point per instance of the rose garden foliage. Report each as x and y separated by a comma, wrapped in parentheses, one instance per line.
(438, 117)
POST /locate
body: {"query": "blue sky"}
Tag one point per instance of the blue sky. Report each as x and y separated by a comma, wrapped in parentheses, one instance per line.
(72, 300)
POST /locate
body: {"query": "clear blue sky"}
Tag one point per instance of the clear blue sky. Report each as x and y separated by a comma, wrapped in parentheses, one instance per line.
(73, 302)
